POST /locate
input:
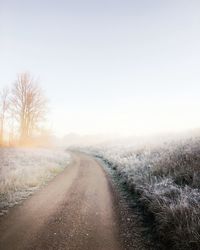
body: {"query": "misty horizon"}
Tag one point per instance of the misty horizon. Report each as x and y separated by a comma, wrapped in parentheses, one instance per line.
(107, 67)
(100, 124)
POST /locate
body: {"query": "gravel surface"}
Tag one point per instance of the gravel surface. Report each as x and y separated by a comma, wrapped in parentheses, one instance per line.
(79, 209)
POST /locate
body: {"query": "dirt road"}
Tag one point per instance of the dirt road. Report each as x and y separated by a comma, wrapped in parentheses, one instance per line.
(81, 209)
(74, 211)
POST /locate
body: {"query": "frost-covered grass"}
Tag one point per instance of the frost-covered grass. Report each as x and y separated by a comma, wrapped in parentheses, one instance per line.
(166, 180)
(24, 170)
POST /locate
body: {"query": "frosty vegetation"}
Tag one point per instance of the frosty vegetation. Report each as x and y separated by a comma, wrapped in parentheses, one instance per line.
(24, 170)
(166, 181)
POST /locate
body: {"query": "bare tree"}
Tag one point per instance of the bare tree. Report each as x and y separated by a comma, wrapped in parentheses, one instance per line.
(28, 104)
(4, 105)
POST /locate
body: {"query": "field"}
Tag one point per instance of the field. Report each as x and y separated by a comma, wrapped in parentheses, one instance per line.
(22, 171)
(165, 178)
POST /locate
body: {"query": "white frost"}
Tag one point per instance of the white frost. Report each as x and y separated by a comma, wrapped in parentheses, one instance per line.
(24, 170)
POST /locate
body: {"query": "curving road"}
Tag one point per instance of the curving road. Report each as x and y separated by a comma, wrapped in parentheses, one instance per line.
(80, 209)
(76, 210)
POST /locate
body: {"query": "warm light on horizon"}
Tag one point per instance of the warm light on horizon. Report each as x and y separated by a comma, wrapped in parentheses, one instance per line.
(107, 67)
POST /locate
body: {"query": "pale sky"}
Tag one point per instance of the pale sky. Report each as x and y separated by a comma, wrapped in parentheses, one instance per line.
(109, 66)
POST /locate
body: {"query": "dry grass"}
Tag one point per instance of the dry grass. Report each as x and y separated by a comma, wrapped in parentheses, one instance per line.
(166, 179)
(24, 170)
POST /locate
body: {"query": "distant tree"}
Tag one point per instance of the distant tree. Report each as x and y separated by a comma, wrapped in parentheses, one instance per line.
(28, 104)
(12, 129)
(4, 105)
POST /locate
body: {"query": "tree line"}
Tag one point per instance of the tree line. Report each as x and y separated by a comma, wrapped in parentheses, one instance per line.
(23, 107)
